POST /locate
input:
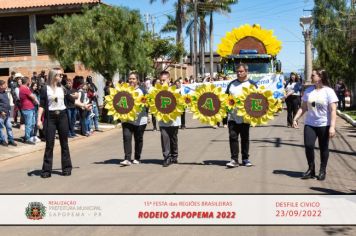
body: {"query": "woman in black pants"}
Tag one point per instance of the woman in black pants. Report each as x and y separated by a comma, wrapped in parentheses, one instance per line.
(319, 102)
(55, 119)
(292, 97)
(135, 128)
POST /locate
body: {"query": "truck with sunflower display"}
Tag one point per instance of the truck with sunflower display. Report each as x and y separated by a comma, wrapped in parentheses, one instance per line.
(258, 48)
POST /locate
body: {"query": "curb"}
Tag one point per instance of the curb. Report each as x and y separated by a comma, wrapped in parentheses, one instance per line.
(347, 118)
(107, 128)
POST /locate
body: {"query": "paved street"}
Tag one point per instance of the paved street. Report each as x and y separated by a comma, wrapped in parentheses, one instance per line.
(277, 153)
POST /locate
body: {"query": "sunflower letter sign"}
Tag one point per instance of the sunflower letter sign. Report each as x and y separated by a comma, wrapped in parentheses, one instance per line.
(208, 104)
(123, 103)
(257, 105)
(164, 103)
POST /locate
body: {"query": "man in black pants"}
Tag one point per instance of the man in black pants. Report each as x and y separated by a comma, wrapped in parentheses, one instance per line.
(235, 123)
(169, 132)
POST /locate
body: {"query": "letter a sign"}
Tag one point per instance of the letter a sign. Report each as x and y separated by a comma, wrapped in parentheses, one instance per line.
(208, 104)
(122, 102)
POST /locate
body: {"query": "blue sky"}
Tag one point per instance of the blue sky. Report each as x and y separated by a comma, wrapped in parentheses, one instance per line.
(280, 15)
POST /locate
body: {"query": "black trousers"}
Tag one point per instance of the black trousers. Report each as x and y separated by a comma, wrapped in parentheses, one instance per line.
(154, 122)
(52, 124)
(292, 102)
(182, 118)
(341, 102)
(169, 142)
(236, 130)
(137, 131)
(310, 135)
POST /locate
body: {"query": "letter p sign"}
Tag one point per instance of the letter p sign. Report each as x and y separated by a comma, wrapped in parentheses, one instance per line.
(165, 101)
(256, 104)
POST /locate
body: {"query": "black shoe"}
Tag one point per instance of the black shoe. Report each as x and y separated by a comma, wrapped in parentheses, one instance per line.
(45, 175)
(183, 127)
(167, 162)
(322, 175)
(30, 142)
(174, 161)
(3, 143)
(12, 143)
(67, 173)
(309, 174)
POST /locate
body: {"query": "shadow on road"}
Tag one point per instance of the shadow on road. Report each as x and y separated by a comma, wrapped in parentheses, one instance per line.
(334, 230)
(330, 191)
(278, 143)
(160, 162)
(293, 174)
(54, 171)
(111, 161)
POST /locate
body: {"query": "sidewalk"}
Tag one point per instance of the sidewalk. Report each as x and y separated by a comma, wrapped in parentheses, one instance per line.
(22, 148)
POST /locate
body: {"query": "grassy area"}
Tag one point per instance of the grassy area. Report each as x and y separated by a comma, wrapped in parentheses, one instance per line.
(351, 113)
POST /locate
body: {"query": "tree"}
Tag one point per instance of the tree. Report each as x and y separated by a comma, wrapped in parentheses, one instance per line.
(179, 20)
(105, 39)
(331, 41)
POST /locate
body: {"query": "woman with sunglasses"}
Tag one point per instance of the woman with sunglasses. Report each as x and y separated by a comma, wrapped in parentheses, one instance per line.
(319, 102)
(52, 105)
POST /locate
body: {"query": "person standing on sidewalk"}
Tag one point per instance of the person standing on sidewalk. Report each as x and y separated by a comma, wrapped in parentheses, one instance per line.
(169, 131)
(236, 125)
(5, 117)
(55, 119)
(340, 90)
(319, 102)
(135, 128)
(28, 101)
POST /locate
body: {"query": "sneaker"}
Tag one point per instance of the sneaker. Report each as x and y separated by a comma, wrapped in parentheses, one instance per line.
(30, 142)
(225, 126)
(3, 143)
(246, 163)
(12, 143)
(232, 164)
(215, 126)
(125, 163)
(136, 162)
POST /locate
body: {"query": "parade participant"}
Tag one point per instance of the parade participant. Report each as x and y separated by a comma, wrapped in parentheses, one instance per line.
(55, 119)
(169, 132)
(236, 125)
(154, 121)
(319, 102)
(5, 117)
(292, 97)
(135, 128)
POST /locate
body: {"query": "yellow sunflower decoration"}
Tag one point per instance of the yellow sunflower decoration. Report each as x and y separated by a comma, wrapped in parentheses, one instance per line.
(208, 104)
(165, 103)
(266, 37)
(257, 105)
(123, 103)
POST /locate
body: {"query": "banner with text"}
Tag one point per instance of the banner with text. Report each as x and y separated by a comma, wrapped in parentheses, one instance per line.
(178, 209)
(273, 82)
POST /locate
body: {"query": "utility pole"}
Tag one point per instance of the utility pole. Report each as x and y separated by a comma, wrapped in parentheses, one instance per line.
(153, 24)
(146, 16)
(195, 60)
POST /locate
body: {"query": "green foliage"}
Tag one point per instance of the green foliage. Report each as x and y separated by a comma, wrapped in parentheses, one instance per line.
(334, 48)
(105, 39)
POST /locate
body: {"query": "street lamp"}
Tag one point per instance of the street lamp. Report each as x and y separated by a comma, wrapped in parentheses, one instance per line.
(306, 22)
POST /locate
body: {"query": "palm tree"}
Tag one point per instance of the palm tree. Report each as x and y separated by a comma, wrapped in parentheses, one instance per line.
(220, 6)
(179, 21)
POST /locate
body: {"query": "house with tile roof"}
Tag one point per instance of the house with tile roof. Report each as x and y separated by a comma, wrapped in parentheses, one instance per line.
(19, 22)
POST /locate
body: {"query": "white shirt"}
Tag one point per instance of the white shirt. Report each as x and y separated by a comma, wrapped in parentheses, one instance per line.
(236, 90)
(293, 87)
(318, 102)
(53, 103)
(142, 116)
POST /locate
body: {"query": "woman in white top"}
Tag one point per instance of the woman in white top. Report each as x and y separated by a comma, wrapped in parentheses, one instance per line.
(319, 102)
(134, 128)
(292, 97)
(53, 107)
